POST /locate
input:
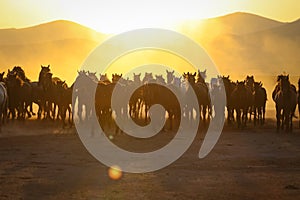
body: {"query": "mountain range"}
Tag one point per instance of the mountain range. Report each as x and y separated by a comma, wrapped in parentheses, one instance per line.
(239, 43)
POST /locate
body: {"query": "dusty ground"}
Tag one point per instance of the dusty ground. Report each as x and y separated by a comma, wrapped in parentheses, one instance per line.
(39, 160)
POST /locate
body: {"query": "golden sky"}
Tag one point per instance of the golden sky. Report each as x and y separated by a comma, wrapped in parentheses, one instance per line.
(113, 16)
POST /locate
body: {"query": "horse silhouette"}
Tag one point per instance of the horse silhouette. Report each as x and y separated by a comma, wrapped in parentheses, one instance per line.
(241, 101)
(202, 92)
(285, 98)
(20, 94)
(260, 98)
(299, 100)
(229, 87)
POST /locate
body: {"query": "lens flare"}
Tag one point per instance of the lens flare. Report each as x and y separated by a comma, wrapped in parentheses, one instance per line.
(115, 172)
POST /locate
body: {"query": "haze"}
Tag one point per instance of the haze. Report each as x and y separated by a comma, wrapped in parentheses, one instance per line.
(113, 16)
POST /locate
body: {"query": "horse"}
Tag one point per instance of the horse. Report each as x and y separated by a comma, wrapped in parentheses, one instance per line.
(259, 106)
(229, 87)
(241, 100)
(285, 97)
(51, 95)
(103, 107)
(249, 81)
(299, 100)
(3, 103)
(20, 95)
(202, 91)
(81, 91)
(188, 87)
(64, 99)
(2, 79)
(44, 104)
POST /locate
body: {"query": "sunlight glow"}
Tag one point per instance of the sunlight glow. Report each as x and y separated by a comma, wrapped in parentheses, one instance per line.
(114, 16)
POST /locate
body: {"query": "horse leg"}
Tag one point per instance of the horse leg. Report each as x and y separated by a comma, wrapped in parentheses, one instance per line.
(287, 121)
(39, 111)
(228, 116)
(238, 117)
(254, 119)
(291, 122)
(263, 113)
(204, 107)
(58, 110)
(70, 116)
(54, 111)
(260, 118)
(278, 118)
(31, 109)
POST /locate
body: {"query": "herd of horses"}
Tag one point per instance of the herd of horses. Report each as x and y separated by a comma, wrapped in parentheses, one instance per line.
(55, 99)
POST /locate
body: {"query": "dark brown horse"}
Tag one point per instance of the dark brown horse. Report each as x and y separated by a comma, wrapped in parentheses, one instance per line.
(299, 100)
(64, 100)
(241, 101)
(229, 87)
(45, 106)
(285, 98)
(249, 81)
(201, 90)
(20, 95)
(259, 106)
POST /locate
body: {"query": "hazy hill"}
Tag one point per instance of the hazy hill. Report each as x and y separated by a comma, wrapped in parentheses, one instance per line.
(242, 43)
(62, 44)
(244, 23)
(233, 24)
(56, 30)
(270, 51)
(239, 43)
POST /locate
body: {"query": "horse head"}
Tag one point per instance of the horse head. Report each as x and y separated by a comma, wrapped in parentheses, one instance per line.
(2, 77)
(137, 78)
(160, 79)
(201, 76)
(116, 77)
(170, 76)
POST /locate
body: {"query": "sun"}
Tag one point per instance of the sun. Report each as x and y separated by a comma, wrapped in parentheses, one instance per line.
(113, 16)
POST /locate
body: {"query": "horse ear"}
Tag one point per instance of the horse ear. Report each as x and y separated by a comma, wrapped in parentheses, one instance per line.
(288, 76)
(121, 75)
(48, 66)
(194, 74)
(173, 72)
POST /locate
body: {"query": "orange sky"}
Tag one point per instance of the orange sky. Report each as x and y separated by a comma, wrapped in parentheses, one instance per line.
(112, 16)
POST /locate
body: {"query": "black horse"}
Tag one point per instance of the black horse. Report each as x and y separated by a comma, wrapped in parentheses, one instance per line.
(285, 98)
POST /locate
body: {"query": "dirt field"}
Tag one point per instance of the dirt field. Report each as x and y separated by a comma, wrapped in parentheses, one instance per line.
(39, 160)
